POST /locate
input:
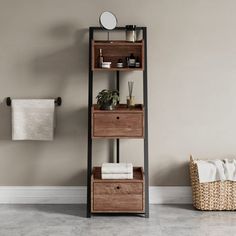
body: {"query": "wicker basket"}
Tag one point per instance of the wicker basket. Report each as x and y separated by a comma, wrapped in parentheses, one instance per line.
(218, 195)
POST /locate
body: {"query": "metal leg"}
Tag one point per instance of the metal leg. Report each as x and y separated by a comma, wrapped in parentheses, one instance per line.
(118, 80)
(145, 100)
(117, 140)
(117, 150)
(90, 101)
(89, 171)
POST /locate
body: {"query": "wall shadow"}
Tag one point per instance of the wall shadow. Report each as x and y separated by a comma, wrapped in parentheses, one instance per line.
(76, 179)
(74, 123)
(54, 70)
(170, 176)
(63, 64)
(5, 124)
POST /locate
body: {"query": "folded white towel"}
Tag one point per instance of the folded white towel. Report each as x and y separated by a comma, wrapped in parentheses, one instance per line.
(215, 170)
(32, 119)
(117, 168)
(117, 176)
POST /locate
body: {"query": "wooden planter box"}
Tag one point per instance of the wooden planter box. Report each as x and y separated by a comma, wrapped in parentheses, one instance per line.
(114, 196)
(119, 123)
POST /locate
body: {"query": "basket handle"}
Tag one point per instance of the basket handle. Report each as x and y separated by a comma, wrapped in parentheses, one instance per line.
(191, 158)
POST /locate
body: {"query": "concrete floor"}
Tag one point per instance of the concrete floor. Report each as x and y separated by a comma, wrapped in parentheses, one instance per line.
(70, 220)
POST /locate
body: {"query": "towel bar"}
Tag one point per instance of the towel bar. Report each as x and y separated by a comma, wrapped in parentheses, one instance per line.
(58, 101)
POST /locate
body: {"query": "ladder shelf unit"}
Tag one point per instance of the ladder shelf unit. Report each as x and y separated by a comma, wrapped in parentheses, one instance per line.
(129, 196)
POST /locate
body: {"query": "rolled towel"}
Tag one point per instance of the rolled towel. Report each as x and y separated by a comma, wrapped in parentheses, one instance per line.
(117, 168)
(117, 176)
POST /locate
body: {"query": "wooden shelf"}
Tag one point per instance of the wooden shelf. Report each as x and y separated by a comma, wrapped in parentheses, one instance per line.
(120, 108)
(122, 122)
(117, 195)
(137, 175)
(118, 69)
(115, 50)
(117, 43)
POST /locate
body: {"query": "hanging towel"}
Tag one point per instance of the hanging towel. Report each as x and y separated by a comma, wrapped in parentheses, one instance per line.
(117, 176)
(230, 169)
(33, 119)
(117, 168)
(215, 170)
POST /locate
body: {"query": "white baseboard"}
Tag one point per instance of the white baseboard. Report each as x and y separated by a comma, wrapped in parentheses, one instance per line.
(77, 195)
(170, 195)
(42, 195)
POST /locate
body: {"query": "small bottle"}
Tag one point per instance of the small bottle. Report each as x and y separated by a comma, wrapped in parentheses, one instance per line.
(137, 63)
(127, 61)
(100, 59)
(119, 63)
(132, 60)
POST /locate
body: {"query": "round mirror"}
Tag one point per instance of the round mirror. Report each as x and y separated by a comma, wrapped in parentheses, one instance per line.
(108, 20)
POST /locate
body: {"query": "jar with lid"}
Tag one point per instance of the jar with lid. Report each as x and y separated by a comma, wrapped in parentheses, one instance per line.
(130, 33)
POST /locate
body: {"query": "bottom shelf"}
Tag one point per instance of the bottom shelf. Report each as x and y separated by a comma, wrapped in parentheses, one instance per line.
(119, 195)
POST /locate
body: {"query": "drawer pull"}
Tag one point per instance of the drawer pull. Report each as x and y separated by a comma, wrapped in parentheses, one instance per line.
(118, 187)
(117, 117)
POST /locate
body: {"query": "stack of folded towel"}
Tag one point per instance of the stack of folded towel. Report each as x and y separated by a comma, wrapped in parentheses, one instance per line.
(117, 171)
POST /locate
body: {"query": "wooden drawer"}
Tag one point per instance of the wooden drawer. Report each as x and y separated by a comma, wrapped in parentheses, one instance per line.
(117, 188)
(121, 124)
(118, 195)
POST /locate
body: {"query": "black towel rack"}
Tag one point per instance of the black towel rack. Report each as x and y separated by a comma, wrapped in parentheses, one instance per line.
(58, 101)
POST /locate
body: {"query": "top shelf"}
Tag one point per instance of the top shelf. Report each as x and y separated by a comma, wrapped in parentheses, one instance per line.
(116, 29)
(116, 50)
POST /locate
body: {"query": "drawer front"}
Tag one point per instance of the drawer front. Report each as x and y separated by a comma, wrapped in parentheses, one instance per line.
(118, 188)
(117, 197)
(118, 125)
(118, 203)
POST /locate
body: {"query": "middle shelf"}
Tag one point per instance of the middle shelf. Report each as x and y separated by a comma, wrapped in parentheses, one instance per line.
(121, 122)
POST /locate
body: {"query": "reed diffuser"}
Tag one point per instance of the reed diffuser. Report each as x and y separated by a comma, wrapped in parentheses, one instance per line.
(130, 98)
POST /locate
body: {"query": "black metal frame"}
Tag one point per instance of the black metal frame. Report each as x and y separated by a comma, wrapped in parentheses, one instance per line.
(118, 140)
(90, 103)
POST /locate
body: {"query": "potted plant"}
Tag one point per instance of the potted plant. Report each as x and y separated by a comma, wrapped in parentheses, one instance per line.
(107, 99)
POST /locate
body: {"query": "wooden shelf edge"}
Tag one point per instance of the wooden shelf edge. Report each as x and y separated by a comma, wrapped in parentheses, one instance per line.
(120, 108)
(118, 69)
(117, 42)
(136, 169)
(118, 212)
(116, 137)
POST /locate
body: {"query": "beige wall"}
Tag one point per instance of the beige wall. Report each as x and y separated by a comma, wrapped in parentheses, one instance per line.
(192, 85)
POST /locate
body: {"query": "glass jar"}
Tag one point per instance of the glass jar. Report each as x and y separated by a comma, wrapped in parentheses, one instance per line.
(130, 101)
(131, 33)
